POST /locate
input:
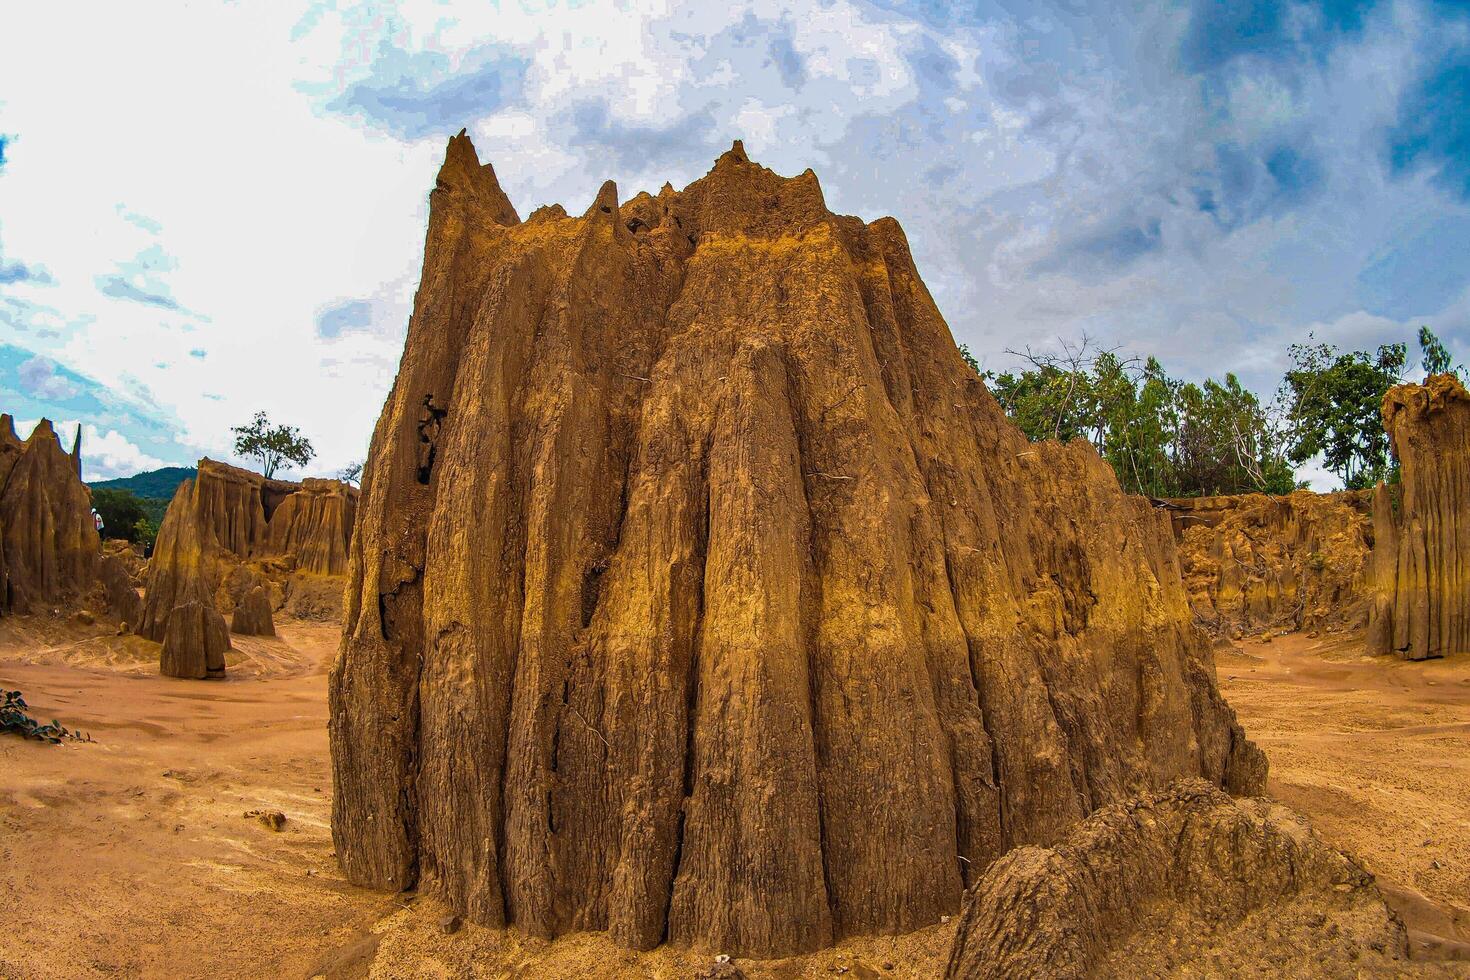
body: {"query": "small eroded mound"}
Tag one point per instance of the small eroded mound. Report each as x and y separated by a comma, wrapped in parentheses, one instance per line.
(1186, 882)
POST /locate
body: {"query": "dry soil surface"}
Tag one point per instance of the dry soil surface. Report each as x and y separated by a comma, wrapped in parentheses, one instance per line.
(132, 856)
(1375, 751)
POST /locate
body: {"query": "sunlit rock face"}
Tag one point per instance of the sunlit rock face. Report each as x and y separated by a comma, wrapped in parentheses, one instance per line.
(700, 592)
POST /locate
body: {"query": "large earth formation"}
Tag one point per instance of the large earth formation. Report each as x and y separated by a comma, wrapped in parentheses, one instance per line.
(700, 591)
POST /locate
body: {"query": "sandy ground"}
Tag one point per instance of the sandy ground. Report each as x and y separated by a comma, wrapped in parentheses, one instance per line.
(1376, 752)
(131, 855)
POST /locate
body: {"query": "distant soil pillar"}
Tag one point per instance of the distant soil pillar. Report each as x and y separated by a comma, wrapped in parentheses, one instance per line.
(194, 642)
(1421, 554)
(253, 614)
(49, 546)
(178, 606)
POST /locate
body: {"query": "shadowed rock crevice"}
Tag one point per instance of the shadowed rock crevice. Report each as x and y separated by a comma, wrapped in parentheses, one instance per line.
(746, 619)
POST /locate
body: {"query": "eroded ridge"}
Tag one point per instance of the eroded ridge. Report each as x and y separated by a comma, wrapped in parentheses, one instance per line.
(49, 547)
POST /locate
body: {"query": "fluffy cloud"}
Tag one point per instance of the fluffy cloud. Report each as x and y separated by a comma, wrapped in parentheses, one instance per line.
(109, 454)
(38, 377)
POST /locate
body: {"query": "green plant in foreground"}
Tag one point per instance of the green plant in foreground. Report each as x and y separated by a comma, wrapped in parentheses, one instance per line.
(13, 718)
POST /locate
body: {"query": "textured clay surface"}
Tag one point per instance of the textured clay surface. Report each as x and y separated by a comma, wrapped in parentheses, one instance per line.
(1255, 562)
(1187, 882)
(699, 592)
(48, 544)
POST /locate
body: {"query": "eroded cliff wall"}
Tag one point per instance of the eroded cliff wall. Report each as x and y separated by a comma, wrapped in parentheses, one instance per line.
(1255, 562)
(313, 524)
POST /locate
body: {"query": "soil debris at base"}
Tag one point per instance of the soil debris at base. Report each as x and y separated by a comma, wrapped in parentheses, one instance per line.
(1187, 880)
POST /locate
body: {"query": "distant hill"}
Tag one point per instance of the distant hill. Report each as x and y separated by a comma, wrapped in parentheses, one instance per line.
(155, 484)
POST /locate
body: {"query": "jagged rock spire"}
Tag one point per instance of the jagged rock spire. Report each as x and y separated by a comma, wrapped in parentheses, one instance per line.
(606, 201)
(463, 177)
(49, 541)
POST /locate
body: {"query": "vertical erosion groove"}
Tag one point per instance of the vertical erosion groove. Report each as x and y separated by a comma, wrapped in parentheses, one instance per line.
(692, 689)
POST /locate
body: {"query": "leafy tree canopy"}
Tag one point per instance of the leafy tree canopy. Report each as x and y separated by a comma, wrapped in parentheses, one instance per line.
(1170, 438)
(1163, 437)
(1335, 405)
(120, 511)
(273, 446)
(1436, 357)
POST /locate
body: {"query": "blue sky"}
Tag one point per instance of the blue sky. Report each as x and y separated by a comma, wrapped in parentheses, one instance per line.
(224, 212)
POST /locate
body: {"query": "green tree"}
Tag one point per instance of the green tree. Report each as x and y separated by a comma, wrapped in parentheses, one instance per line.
(120, 511)
(1334, 409)
(1045, 402)
(273, 446)
(1054, 399)
(144, 532)
(1228, 442)
(1163, 438)
(351, 473)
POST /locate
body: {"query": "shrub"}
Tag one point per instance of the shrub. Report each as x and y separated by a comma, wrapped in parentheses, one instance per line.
(14, 718)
